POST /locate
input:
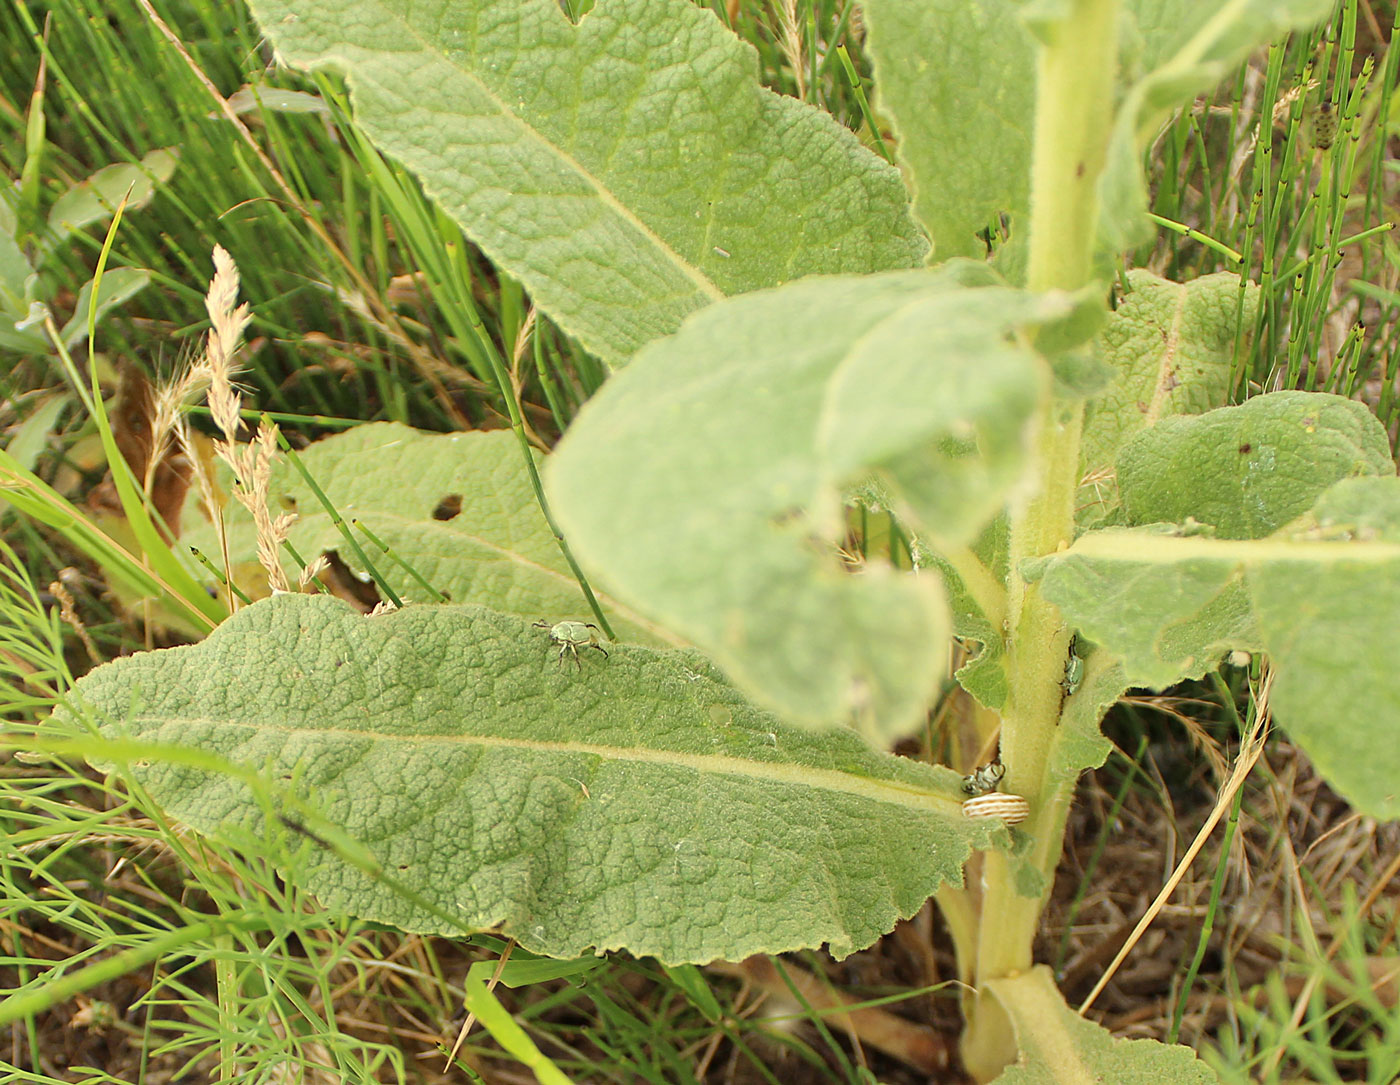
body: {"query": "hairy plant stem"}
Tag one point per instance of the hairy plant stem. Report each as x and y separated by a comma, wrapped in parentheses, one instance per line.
(1075, 77)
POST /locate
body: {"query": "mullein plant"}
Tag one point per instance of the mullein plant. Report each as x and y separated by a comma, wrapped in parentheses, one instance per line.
(788, 360)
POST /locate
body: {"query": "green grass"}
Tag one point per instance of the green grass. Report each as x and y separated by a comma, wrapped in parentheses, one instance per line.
(183, 952)
(1312, 221)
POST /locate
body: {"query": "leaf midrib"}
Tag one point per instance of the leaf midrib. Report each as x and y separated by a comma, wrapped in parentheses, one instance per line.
(1170, 347)
(1171, 550)
(885, 791)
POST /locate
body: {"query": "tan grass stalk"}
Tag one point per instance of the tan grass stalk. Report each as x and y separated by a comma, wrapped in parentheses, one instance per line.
(168, 403)
(314, 568)
(226, 324)
(251, 463)
(68, 611)
(791, 42)
(1251, 747)
(252, 469)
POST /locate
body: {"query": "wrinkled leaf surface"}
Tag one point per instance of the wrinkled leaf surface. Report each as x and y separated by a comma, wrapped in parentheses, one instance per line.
(633, 802)
(628, 170)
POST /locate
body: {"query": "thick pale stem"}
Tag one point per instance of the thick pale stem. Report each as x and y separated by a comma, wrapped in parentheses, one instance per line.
(1073, 119)
(1074, 111)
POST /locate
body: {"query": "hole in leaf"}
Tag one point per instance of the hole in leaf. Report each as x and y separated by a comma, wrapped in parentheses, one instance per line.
(448, 508)
(344, 583)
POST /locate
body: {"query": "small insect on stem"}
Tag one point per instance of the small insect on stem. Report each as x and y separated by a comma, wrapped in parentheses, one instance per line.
(1074, 668)
(571, 636)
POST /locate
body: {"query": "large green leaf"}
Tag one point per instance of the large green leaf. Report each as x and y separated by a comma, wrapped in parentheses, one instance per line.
(1155, 30)
(1320, 596)
(1248, 470)
(1170, 347)
(704, 484)
(1058, 1047)
(635, 802)
(958, 82)
(628, 170)
(458, 508)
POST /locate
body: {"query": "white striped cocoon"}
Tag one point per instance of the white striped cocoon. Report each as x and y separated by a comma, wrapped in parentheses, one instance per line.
(1012, 809)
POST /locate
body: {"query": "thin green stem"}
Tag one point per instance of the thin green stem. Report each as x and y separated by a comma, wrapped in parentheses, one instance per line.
(1191, 233)
(869, 114)
(393, 556)
(219, 576)
(517, 424)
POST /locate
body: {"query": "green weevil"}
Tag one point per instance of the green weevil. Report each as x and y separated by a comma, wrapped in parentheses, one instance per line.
(571, 636)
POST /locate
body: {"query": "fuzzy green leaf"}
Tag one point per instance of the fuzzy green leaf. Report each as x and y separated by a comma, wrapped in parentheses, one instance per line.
(1248, 470)
(458, 508)
(1154, 30)
(1170, 347)
(704, 485)
(1058, 1047)
(636, 802)
(977, 603)
(628, 170)
(1319, 596)
(958, 81)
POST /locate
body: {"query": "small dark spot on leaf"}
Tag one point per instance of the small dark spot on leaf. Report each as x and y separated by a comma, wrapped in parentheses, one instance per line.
(448, 508)
(289, 504)
(1079, 169)
(1246, 449)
